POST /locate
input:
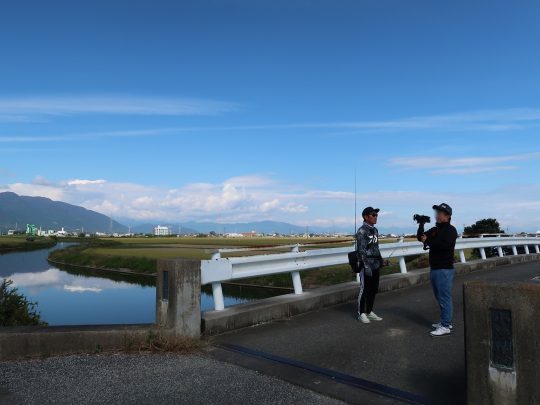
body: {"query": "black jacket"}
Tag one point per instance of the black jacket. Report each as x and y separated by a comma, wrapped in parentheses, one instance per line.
(441, 240)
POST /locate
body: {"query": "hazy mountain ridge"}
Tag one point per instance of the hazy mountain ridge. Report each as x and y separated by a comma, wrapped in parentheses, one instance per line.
(48, 214)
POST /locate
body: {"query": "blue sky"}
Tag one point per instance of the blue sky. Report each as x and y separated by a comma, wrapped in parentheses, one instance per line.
(239, 110)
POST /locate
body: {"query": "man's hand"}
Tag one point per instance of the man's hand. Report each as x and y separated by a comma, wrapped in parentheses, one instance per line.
(423, 238)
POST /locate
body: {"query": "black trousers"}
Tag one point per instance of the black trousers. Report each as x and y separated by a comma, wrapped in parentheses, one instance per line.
(371, 288)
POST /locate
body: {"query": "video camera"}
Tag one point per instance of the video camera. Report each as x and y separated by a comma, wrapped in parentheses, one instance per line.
(422, 220)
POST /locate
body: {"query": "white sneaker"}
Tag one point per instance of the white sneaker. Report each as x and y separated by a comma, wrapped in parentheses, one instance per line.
(373, 317)
(440, 331)
(363, 318)
(438, 325)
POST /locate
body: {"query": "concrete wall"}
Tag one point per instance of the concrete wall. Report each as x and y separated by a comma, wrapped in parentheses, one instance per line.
(178, 314)
(26, 342)
(502, 342)
(178, 296)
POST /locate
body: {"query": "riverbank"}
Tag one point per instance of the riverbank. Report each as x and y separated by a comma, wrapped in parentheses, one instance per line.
(10, 244)
(139, 256)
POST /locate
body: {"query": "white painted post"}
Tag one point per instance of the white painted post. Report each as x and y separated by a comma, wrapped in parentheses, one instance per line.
(527, 249)
(514, 250)
(500, 251)
(217, 292)
(537, 248)
(462, 256)
(297, 282)
(358, 278)
(402, 265)
(483, 253)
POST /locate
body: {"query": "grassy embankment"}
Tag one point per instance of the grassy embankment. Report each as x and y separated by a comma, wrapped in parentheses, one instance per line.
(17, 243)
(141, 255)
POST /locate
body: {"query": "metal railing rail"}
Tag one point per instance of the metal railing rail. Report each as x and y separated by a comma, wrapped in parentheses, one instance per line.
(218, 269)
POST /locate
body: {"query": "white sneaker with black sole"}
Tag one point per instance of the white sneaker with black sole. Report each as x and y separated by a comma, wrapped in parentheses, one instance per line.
(363, 318)
(438, 325)
(440, 331)
(372, 316)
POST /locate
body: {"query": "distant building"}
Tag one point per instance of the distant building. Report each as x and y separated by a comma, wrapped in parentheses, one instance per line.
(162, 231)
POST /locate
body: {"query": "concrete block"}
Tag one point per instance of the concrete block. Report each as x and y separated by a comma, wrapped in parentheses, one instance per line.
(178, 296)
(502, 342)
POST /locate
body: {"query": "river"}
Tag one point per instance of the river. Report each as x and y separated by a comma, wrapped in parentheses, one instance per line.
(73, 297)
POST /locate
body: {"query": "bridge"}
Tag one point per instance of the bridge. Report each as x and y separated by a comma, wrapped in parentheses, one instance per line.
(323, 350)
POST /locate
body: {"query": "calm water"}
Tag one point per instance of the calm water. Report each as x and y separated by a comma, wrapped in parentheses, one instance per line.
(74, 297)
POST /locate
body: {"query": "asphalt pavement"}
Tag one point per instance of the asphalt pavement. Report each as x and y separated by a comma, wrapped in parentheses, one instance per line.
(397, 353)
(322, 357)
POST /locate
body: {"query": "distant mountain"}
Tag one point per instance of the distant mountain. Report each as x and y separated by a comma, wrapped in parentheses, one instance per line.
(49, 214)
(260, 226)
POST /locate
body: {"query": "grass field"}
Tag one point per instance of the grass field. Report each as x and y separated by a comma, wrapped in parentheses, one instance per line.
(141, 255)
(19, 243)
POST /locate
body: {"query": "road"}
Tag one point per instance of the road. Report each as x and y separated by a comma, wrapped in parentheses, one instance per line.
(397, 352)
(322, 357)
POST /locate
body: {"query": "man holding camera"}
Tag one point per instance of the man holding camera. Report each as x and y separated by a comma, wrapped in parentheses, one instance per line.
(367, 244)
(441, 241)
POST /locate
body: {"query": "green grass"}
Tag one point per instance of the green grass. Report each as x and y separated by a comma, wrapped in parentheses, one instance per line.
(141, 255)
(19, 243)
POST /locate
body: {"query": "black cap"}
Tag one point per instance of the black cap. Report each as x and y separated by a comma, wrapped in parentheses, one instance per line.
(370, 210)
(444, 208)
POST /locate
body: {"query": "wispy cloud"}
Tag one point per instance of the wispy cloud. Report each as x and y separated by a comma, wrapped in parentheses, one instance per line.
(20, 109)
(474, 121)
(464, 165)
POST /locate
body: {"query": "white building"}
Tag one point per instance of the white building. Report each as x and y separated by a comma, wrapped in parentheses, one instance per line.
(162, 231)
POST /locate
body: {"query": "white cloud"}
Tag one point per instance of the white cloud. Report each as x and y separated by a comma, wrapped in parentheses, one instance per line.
(463, 165)
(80, 182)
(258, 197)
(20, 108)
(54, 278)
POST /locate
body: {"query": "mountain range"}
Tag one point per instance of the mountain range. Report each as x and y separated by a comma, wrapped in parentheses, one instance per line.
(16, 210)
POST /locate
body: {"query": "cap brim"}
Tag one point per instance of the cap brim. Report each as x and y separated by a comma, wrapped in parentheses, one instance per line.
(439, 208)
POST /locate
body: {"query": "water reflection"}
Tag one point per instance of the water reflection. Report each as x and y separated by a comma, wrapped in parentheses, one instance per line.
(72, 296)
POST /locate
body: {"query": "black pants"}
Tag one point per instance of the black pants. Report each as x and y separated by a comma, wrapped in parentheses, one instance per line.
(371, 288)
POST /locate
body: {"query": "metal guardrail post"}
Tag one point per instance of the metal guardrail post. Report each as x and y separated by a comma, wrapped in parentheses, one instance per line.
(537, 248)
(296, 279)
(527, 249)
(297, 282)
(462, 258)
(499, 249)
(514, 250)
(482, 251)
(217, 290)
(217, 293)
(402, 264)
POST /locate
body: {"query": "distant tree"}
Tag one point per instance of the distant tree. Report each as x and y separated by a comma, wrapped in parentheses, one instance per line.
(487, 225)
(82, 235)
(15, 309)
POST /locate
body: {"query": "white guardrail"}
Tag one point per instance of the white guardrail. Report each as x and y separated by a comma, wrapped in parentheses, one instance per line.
(218, 269)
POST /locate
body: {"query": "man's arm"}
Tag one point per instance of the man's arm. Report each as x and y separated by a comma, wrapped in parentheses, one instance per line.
(443, 239)
(362, 244)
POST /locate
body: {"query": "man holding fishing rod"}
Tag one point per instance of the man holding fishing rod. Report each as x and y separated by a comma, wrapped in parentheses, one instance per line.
(367, 245)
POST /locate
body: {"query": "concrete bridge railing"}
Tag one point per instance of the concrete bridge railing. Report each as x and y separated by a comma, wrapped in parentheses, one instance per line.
(218, 270)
